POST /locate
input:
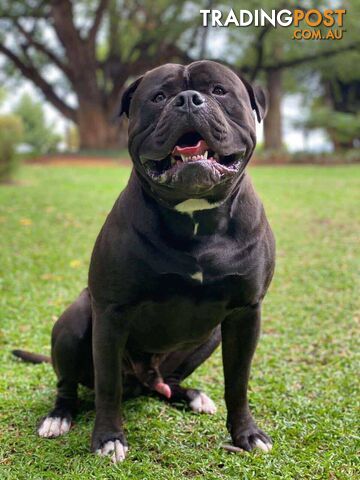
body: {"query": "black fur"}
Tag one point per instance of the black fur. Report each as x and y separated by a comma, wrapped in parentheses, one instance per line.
(145, 317)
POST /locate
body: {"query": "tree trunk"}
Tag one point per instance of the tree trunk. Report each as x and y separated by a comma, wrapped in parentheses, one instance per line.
(97, 133)
(97, 130)
(273, 120)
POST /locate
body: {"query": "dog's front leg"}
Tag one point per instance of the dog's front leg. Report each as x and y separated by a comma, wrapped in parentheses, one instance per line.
(240, 332)
(109, 338)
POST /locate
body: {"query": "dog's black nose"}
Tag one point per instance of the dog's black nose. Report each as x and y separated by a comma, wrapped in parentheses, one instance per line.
(189, 100)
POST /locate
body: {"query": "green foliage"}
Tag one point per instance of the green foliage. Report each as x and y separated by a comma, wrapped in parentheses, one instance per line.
(343, 127)
(137, 35)
(134, 34)
(37, 132)
(2, 95)
(305, 376)
(278, 47)
(10, 135)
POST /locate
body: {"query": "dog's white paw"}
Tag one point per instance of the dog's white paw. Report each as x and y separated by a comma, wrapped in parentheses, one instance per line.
(115, 449)
(260, 444)
(202, 404)
(264, 446)
(52, 427)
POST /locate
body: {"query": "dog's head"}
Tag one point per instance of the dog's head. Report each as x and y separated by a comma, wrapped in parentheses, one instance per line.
(192, 129)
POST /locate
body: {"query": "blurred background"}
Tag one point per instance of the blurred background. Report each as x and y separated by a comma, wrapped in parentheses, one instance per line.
(64, 65)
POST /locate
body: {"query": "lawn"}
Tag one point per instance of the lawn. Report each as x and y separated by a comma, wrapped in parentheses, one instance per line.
(304, 386)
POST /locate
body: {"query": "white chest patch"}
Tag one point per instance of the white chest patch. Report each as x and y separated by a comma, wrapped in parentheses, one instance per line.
(198, 276)
(194, 204)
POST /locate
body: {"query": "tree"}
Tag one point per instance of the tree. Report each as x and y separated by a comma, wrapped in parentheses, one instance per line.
(92, 48)
(336, 107)
(335, 104)
(37, 133)
(271, 56)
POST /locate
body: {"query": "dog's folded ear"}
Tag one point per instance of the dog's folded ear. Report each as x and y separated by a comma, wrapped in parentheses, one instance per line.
(127, 96)
(258, 99)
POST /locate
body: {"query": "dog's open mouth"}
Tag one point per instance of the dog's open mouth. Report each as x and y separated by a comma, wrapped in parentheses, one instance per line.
(190, 148)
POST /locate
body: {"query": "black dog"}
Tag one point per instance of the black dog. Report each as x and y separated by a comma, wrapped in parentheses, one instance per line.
(183, 260)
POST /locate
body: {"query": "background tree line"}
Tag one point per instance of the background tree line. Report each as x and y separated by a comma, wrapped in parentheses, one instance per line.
(81, 55)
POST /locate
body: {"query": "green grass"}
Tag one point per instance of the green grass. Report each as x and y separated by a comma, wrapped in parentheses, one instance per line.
(304, 386)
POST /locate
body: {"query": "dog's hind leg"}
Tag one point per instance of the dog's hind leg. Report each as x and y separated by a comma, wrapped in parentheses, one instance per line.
(72, 362)
(197, 400)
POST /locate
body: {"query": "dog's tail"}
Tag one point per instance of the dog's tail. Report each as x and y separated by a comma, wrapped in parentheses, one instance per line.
(31, 357)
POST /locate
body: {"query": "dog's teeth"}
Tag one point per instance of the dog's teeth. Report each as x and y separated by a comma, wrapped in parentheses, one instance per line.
(206, 154)
(162, 178)
(183, 158)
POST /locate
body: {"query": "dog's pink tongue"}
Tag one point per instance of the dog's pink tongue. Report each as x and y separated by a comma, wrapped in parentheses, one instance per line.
(163, 389)
(197, 149)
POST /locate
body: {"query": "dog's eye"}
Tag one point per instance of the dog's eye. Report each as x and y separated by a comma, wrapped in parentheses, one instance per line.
(159, 97)
(218, 90)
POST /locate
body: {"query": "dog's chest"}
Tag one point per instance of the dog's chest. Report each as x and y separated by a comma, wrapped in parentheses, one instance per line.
(178, 316)
(208, 251)
(181, 313)
(191, 290)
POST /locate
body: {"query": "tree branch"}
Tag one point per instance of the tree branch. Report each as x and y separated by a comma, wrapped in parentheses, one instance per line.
(43, 49)
(260, 52)
(103, 4)
(205, 34)
(310, 58)
(69, 36)
(247, 69)
(30, 72)
(79, 51)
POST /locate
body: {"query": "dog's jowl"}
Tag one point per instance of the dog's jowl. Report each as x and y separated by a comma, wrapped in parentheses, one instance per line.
(181, 264)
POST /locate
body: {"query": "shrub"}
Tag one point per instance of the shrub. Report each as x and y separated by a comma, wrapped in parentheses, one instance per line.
(10, 136)
(38, 133)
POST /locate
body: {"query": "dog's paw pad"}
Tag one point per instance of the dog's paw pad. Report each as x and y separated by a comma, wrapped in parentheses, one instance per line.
(115, 449)
(52, 427)
(202, 404)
